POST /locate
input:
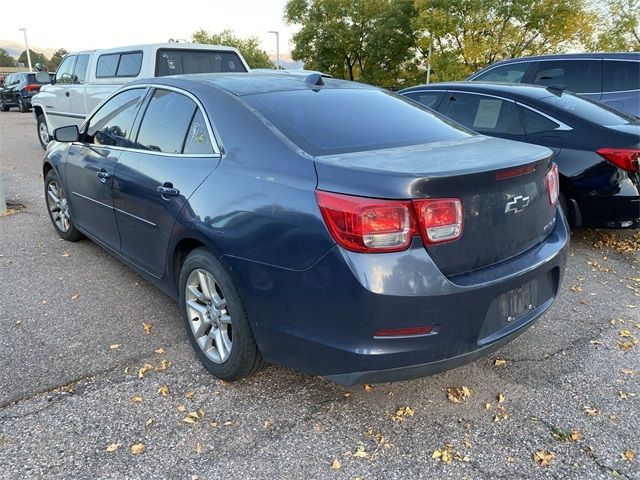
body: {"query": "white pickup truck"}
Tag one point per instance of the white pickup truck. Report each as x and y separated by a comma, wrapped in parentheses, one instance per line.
(84, 79)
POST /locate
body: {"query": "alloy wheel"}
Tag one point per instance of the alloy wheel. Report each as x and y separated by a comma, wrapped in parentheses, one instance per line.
(58, 206)
(208, 315)
(43, 132)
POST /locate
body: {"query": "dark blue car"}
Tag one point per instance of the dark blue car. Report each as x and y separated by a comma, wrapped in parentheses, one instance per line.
(596, 147)
(328, 226)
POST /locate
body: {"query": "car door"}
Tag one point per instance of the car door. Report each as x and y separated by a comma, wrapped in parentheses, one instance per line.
(173, 153)
(91, 164)
(5, 87)
(486, 114)
(58, 103)
(577, 75)
(77, 87)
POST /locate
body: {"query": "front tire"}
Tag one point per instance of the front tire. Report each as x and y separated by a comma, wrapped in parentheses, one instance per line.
(216, 321)
(58, 208)
(43, 132)
(4, 107)
(22, 105)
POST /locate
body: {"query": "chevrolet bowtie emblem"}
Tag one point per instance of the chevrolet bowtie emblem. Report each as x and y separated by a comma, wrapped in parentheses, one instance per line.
(516, 204)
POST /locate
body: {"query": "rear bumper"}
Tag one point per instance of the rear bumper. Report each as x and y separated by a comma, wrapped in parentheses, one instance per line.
(323, 320)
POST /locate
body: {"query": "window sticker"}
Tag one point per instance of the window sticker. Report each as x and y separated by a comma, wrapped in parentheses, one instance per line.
(232, 65)
(487, 114)
(198, 133)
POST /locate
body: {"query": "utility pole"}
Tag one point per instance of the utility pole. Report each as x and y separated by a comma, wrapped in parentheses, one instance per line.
(429, 59)
(26, 44)
(277, 33)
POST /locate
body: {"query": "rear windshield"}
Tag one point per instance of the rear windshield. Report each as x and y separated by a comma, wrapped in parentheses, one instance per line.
(178, 61)
(39, 77)
(589, 110)
(330, 121)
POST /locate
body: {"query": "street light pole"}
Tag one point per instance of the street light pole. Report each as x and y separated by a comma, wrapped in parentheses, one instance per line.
(26, 44)
(429, 60)
(277, 33)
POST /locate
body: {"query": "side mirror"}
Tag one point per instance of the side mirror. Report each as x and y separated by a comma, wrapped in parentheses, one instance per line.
(69, 133)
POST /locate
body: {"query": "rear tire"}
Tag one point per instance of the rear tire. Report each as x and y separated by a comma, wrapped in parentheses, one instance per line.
(3, 106)
(22, 105)
(216, 321)
(564, 205)
(43, 132)
(58, 208)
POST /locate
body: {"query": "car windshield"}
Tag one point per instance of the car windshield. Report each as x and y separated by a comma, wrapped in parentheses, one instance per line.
(589, 110)
(330, 121)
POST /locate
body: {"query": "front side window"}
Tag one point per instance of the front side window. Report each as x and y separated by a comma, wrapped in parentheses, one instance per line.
(620, 76)
(111, 124)
(64, 74)
(513, 72)
(580, 76)
(484, 114)
(80, 72)
(166, 122)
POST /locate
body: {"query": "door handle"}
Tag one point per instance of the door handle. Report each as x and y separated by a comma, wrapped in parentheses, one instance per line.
(167, 190)
(104, 176)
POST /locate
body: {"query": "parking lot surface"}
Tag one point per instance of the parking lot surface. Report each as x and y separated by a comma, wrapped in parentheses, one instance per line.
(97, 378)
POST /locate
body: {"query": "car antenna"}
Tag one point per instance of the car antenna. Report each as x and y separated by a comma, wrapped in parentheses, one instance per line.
(557, 89)
(314, 79)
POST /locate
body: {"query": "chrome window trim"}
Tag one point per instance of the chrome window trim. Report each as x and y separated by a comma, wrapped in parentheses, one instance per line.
(146, 86)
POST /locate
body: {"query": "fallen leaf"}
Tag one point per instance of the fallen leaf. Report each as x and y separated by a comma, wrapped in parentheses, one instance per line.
(182, 408)
(144, 369)
(114, 346)
(402, 413)
(543, 458)
(65, 254)
(164, 391)
(591, 411)
(76, 296)
(268, 424)
(368, 388)
(189, 394)
(577, 288)
(188, 420)
(214, 424)
(336, 464)
(113, 447)
(136, 399)
(500, 398)
(164, 364)
(138, 448)
(629, 455)
(149, 422)
(626, 334)
(199, 448)
(360, 452)
(229, 423)
(458, 394)
(159, 351)
(146, 328)
(498, 362)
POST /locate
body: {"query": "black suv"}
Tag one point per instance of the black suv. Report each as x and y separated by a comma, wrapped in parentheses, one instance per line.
(18, 88)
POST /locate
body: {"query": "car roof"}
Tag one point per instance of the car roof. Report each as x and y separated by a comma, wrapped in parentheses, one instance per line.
(568, 56)
(511, 89)
(250, 83)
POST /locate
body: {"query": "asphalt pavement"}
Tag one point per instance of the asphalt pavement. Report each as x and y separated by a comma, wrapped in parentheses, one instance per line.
(97, 379)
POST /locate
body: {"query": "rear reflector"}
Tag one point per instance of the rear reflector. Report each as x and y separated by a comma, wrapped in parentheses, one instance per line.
(404, 332)
(440, 219)
(625, 158)
(515, 172)
(367, 224)
(553, 185)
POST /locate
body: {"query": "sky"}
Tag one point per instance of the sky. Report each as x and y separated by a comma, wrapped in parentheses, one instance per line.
(90, 25)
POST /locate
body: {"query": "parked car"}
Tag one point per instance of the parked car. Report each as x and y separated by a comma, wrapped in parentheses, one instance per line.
(328, 226)
(18, 89)
(610, 78)
(84, 79)
(596, 147)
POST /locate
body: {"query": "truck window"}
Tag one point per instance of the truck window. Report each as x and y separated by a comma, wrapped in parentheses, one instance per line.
(179, 61)
(125, 64)
(80, 72)
(64, 74)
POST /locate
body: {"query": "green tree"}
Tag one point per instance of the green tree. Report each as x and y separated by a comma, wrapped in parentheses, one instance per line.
(6, 60)
(36, 57)
(470, 34)
(56, 58)
(367, 40)
(248, 47)
(620, 30)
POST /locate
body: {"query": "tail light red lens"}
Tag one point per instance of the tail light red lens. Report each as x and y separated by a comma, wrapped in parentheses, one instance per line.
(32, 87)
(626, 158)
(373, 225)
(440, 219)
(367, 224)
(404, 332)
(553, 185)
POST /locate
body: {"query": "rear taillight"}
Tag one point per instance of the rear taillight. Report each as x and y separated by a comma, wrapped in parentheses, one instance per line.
(553, 185)
(367, 224)
(625, 158)
(372, 225)
(32, 87)
(440, 219)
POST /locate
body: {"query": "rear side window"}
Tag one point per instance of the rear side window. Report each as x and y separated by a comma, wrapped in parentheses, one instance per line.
(179, 61)
(80, 72)
(621, 76)
(588, 110)
(111, 124)
(428, 99)
(484, 114)
(536, 123)
(580, 76)
(64, 74)
(119, 65)
(198, 141)
(166, 122)
(332, 121)
(513, 72)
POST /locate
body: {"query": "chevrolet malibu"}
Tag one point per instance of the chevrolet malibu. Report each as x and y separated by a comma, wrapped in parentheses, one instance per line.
(324, 225)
